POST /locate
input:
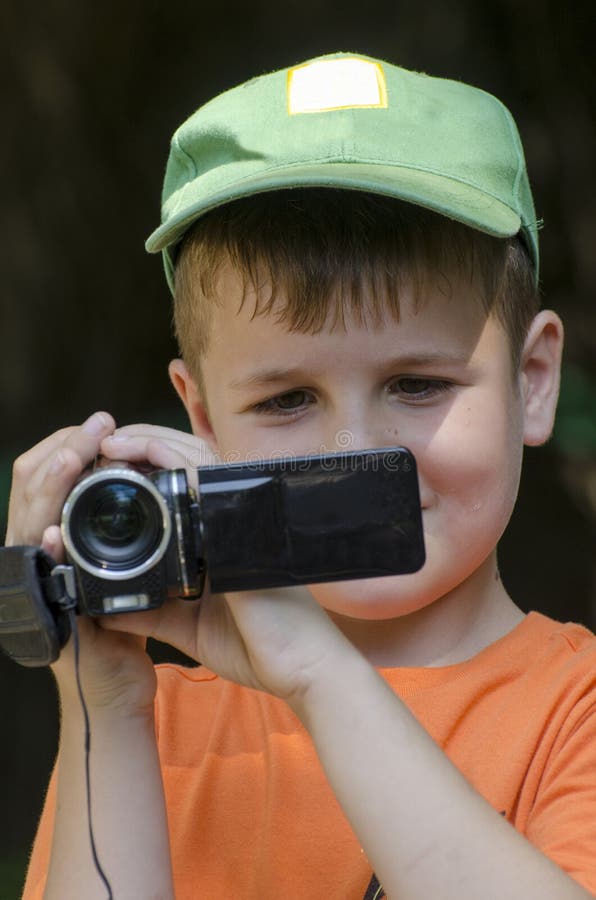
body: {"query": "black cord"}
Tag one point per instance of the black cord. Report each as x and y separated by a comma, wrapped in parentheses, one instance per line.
(75, 637)
(374, 890)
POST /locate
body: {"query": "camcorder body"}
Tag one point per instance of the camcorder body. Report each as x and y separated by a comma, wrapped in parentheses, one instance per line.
(135, 538)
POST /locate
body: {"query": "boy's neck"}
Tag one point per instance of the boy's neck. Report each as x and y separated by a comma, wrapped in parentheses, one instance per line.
(453, 629)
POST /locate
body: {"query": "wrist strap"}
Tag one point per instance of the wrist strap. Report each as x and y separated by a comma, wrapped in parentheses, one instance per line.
(33, 626)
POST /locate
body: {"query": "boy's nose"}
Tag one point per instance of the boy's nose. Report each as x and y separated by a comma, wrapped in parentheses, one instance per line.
(361, 436)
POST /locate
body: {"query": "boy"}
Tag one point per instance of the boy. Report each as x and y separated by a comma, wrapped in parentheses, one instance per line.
(353, 253)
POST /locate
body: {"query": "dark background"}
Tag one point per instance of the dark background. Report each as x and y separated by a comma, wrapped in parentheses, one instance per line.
(90, 95)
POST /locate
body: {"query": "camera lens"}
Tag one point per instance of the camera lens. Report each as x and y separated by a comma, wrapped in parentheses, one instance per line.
(116, 524)
(118, 516)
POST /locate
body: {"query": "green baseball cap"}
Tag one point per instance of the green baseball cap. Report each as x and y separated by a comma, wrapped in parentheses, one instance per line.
(352, 122)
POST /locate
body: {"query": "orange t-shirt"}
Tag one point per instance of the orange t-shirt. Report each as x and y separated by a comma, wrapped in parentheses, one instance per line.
(253, 818)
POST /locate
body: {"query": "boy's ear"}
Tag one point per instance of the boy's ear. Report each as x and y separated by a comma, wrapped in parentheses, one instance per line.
(196, 408)
(540, 371)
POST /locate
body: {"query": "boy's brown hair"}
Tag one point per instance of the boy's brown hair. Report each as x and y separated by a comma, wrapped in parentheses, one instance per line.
(339, 251)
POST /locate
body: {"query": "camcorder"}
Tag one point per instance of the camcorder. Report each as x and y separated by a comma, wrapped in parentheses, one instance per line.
(135, 538)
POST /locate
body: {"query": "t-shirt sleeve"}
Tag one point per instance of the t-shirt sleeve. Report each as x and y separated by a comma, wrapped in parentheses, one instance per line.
(37, 871)
(563, 820)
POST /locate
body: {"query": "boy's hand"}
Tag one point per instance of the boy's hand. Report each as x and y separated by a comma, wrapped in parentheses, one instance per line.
(274, 640)
(278, 640)
(43, 478)
(115, 668)
(164, 448)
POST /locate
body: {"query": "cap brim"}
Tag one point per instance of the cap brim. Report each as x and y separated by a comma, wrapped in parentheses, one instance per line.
(456, 199)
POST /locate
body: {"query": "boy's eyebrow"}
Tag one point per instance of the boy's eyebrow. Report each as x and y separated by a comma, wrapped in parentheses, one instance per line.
(412, 361)
(263, 376)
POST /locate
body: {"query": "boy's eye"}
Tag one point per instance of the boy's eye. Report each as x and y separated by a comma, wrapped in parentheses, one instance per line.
(418, 388)
(412, 388)
(284, 404)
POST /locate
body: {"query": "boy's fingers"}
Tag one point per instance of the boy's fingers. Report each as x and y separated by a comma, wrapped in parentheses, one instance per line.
(159, 432)
(29, 462)
(77, 450)
(139, 435)
(44, 477)
(43, 498)
(142, 429)
(51, 542)
(156, 452)
(136, 449)
(86, 439)
(161, 446)
(186, 443)
(164, 456)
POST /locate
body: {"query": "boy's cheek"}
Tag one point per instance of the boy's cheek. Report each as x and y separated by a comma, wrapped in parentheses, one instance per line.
(245, 439)
(475, 467)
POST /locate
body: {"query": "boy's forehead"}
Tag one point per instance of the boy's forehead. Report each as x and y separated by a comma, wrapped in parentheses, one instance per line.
(436, 320)
(349, 121)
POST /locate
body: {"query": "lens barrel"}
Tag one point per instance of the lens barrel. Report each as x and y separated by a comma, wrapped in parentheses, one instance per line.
(116, 524)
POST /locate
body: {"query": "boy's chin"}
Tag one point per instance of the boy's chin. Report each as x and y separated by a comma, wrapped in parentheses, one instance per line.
(388, 597)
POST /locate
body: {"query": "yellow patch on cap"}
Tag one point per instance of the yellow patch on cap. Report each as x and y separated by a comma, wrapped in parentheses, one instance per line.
(330, 84)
